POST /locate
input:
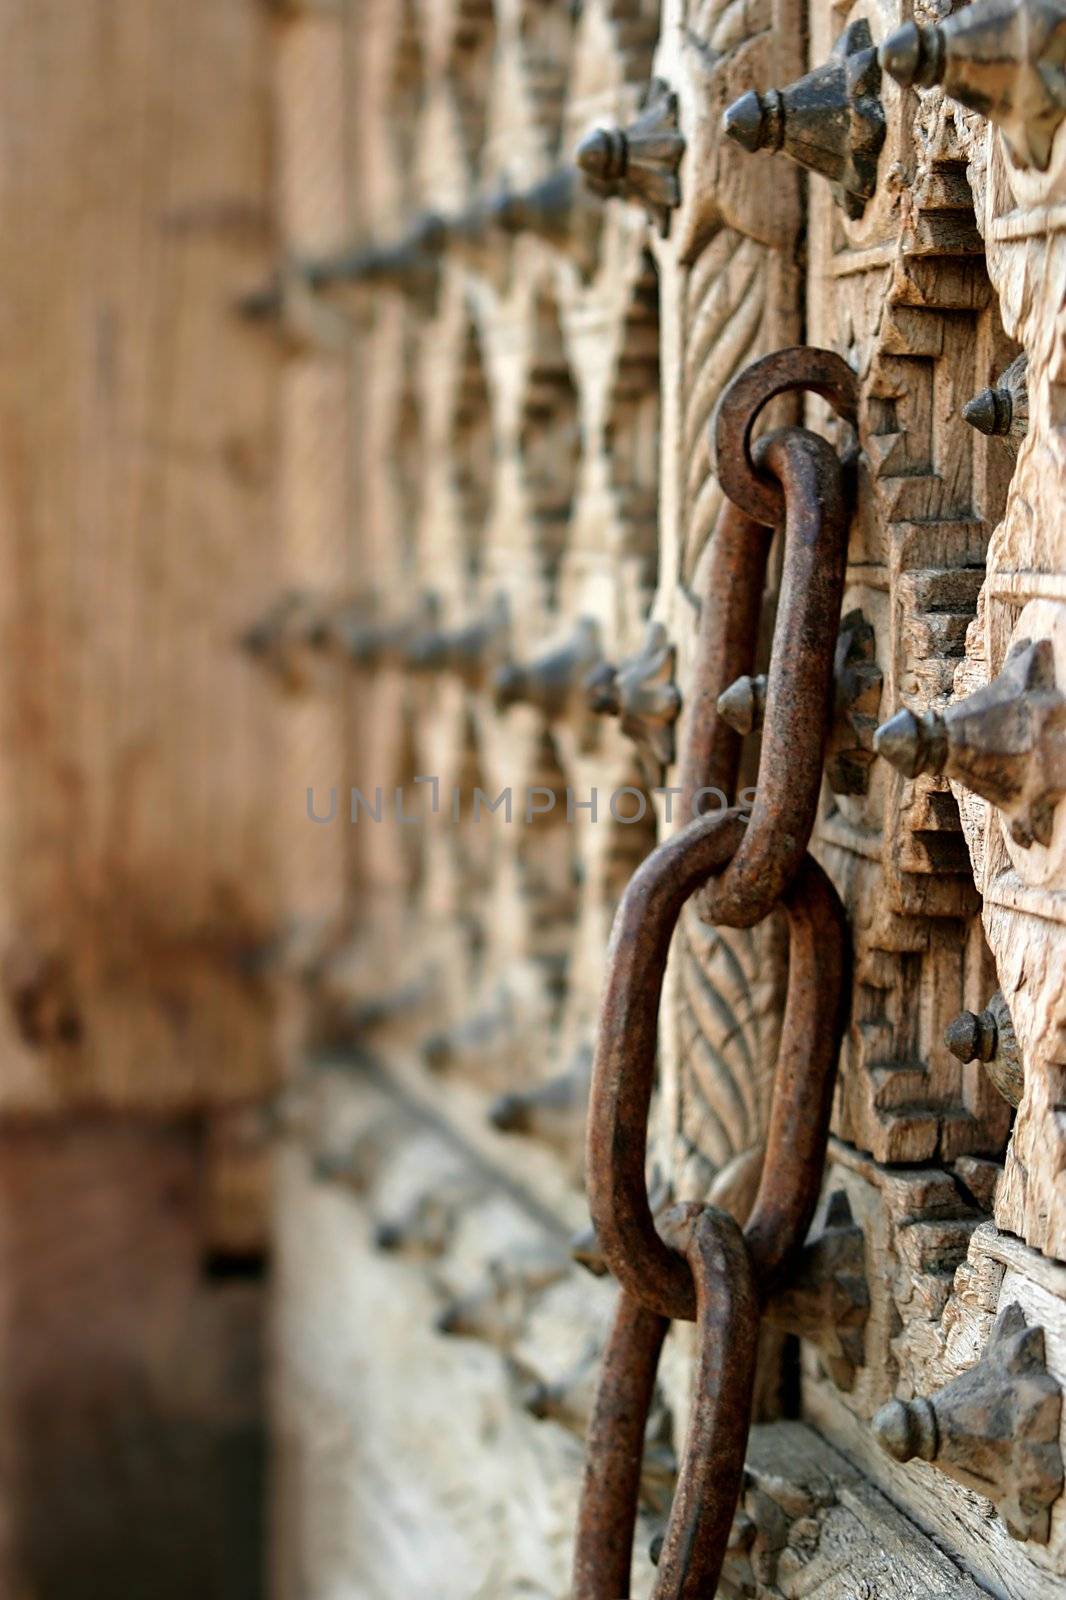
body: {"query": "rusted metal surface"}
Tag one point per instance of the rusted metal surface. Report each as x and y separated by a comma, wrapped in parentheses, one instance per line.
(727, 1330)
(603, 1553)
(795, 479)
(799, 690)
(708, 1485)
(800, 367)
(725, 651)
(624, 1068)
(804, 1074)
(695, 1264)
(831, 121)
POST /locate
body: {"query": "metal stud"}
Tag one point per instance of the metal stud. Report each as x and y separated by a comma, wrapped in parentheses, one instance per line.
(995, 1428)
(856, 698)
(640, 162)
(831, 121)
(496, 1311)
(552, 1112)
(552, 679)
(560, 209)
(410, 263)
(988, 1036)
(371, 644)
(827, 1298)
(640, 691)
(1002, 410)
(1006, 742)
(424, 1230)
(470, 651)
(1003, 58)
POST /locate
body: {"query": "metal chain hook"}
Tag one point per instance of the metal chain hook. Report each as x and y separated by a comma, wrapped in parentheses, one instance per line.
(696, 1264)
(624, 1067)
(709, 1482)
(805, 368)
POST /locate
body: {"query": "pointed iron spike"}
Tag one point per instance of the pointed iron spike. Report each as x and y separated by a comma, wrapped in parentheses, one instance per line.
(640, 162)
(838, 1213)
(914, 55)
(982, 412)
(602, 154)
(388, 1236)
(1002, 58)
(262, 303)
(990, 412)
(912, 744)
(601, 690)
(535, 1399)
(508, 1113)
(994, 1427)
(503, 209)
(898, 741)
(448, 1320)
(830, 120)
(437, 1051)
(905, 1429)
(743, 705)
(750, 123)
(988, 1036)
(507, 684)
(963, 1036)
(585, 1250)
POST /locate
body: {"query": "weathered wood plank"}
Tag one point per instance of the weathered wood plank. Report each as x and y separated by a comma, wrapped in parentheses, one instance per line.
(137, 538)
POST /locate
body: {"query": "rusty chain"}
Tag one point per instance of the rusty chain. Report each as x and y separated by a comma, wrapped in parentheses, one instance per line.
(799, 368)
(695, 1263)
(791, 478)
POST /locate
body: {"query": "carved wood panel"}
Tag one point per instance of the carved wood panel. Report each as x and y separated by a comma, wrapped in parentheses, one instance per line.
(517, 343)
(917, 292)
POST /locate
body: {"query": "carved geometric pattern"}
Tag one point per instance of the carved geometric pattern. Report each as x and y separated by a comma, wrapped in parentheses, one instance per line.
(631, 433)
(407, 90)
(550, 438)
(725, 307)
(729, 998)
(469, 72)
(1024, 907)
(912, 309)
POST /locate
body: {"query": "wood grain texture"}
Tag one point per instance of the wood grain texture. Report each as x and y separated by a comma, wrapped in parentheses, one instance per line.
(139, 536)
(1023, 597)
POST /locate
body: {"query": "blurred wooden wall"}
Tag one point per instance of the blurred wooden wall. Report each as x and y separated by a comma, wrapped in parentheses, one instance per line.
(144, 831)
(138, 537)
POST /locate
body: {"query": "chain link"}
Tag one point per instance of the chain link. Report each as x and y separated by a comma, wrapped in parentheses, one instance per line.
(696, 1264)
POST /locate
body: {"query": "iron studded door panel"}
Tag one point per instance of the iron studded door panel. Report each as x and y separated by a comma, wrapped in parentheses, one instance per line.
(943, 276)
(538, 350)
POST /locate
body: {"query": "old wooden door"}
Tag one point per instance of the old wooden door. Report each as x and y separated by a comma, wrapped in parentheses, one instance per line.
(536, 367)
(933, 266)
